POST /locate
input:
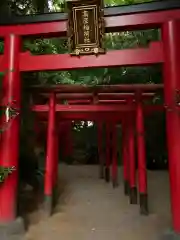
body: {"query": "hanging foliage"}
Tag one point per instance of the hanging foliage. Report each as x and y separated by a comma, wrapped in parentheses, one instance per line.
(5, 172)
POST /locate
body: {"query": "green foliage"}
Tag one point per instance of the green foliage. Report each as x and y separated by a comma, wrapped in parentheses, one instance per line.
(5, 172)
(123, 2)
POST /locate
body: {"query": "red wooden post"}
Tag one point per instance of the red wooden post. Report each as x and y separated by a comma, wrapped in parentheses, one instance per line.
(10, 138)
(100, 149)
(50, 157)
(171, 41)
(125, 156)
(114, 156)
(132, 161)
(141, 152)
(108, 152)
(56, 156)
(56, 165)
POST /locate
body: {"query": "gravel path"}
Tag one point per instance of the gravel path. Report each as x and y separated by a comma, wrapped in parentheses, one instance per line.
(90, 209)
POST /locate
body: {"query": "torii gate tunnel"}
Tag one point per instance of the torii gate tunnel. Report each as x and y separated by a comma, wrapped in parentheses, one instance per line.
(99, 105)
(164, 15)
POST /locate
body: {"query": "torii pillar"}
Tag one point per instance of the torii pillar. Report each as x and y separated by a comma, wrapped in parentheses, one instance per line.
(49, 181)
(141, 152)
(10, 137)
(114, 155)
(108, 152)
(132, 160)
(125, 156)
(171, 42)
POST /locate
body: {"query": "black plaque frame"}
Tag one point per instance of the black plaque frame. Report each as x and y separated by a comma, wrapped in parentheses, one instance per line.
(86, 27)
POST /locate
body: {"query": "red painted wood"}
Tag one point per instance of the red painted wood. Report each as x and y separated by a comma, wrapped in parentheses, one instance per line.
(100, 89)
(125, 152)
(154, 54)
(171, 39)
(141, 150)
(141, 21)
(84, 108)
(50, 156)
(88, 97)
(89, 109)
(120, 96)
(73, 96)
(41, 110)
(95, 115)
(131, 150)
(56, 156)
(113, 24)
(10, 138)
(2, 63)
(127, 57)
(100, 102)
(113, 102)
(114, 154)
(75, 102)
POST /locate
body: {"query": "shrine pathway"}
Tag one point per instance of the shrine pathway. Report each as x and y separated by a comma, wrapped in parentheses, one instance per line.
(90, 209)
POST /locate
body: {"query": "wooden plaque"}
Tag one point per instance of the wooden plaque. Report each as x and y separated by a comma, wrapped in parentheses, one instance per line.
(85, 27)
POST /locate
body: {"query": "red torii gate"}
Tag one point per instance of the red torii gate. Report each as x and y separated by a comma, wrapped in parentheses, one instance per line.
(89, 98)
(164, 15)
(130, 101)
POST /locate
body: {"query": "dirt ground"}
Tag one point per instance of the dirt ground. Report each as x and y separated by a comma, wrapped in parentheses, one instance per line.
(90, 209)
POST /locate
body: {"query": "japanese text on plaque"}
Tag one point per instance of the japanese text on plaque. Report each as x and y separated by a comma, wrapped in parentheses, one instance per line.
(86, 27)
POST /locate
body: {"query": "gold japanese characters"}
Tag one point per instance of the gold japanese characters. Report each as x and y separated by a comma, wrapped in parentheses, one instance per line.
(85, 27)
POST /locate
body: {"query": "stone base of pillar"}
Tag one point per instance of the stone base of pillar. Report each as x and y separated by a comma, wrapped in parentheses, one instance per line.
(101, 171)
(55, 195)
(115, 183)
(170, 235)
(48, 203)
(126, 187)
(143, 201)
(133, 195)
(107, 174)
(12, 231)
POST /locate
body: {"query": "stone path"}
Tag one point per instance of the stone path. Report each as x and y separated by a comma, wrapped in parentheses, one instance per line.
(90, 209)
